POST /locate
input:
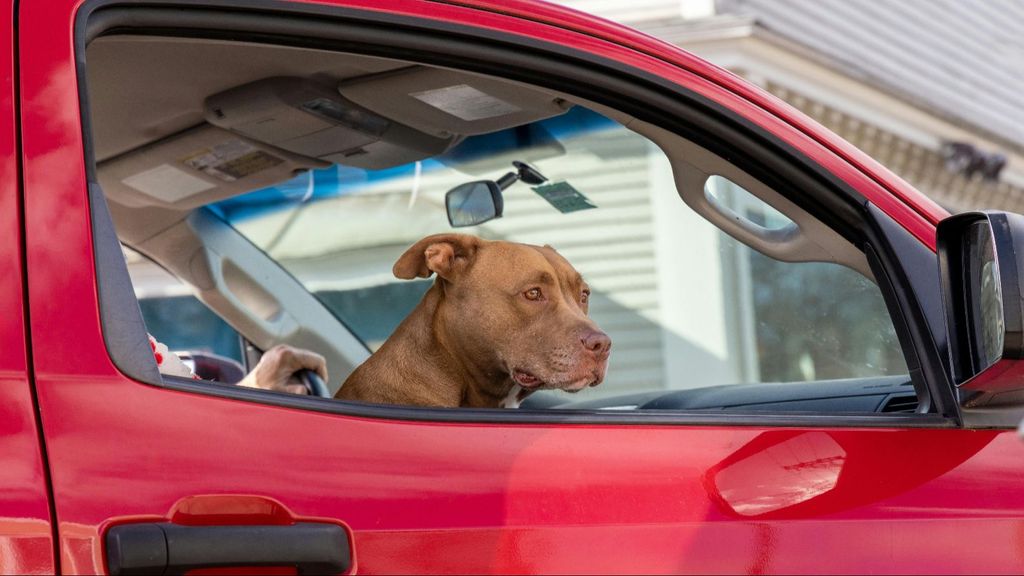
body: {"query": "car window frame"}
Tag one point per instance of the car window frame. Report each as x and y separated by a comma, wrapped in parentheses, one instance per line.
(617, 85)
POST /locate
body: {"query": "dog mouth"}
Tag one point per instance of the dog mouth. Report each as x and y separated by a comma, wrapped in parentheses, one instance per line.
(529, 381)
(525, 379)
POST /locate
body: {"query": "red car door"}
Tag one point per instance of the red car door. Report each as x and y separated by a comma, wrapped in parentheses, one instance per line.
(26, 531)
(411, 491)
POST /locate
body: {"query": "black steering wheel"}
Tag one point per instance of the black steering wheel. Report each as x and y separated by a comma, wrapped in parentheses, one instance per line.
(315, 385)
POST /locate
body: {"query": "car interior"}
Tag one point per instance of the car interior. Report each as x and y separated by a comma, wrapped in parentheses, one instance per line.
(276, 184)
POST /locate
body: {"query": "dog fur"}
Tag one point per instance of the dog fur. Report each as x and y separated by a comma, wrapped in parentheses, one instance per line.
(501, 320)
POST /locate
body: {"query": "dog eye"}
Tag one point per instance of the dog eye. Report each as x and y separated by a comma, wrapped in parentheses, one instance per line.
(585, 297)
(533, 294)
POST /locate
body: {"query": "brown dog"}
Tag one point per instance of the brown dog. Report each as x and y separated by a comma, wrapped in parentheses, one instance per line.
(501, 321)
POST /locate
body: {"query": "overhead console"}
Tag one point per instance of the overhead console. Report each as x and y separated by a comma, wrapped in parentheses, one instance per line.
(314, 120)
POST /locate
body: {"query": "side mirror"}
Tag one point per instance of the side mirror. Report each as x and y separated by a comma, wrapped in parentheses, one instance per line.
(980, 259)
(473, 203)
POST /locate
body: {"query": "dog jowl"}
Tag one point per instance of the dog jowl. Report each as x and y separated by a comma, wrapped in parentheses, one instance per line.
(501, 320)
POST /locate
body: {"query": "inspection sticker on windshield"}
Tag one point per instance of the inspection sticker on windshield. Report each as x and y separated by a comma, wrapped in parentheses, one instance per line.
(564, 197)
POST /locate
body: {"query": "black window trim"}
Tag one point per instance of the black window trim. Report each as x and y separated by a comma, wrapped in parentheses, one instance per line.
(641, 94)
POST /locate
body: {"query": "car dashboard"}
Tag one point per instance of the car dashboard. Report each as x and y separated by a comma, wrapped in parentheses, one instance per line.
(887, 394)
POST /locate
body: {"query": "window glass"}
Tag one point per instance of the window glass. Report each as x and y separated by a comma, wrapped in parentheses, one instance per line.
(811, 320)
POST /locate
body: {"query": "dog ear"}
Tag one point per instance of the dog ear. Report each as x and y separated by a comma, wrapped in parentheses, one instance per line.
(445, 254)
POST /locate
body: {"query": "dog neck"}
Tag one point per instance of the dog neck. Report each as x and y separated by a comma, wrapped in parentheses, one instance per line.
(481, 386)
(431, 372)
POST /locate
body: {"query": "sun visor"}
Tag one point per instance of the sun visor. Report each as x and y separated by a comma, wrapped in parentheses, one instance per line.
(313, 120)
(443, 102)
(196, 167)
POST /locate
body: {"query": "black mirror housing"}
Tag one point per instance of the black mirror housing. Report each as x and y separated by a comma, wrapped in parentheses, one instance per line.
(474, 203)
(981, 255)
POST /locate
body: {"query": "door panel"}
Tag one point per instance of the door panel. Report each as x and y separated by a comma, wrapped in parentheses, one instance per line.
(26, 533)
(467, 498)
(447, 497)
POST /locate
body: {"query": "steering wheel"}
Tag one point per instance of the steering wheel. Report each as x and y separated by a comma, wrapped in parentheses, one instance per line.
(314, 384)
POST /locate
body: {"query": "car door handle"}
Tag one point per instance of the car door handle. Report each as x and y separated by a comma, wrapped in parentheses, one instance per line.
(165, 548)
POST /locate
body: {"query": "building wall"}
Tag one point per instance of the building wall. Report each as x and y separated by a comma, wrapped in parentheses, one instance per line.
(921, 166)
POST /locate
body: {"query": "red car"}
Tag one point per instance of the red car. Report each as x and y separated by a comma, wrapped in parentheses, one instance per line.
(809, 373)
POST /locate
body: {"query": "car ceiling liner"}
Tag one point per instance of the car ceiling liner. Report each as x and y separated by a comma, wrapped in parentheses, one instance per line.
(262, 133)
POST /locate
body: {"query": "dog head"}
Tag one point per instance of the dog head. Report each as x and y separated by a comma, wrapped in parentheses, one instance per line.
(513, 311)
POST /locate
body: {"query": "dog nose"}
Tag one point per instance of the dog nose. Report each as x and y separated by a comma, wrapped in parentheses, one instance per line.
(596, 341)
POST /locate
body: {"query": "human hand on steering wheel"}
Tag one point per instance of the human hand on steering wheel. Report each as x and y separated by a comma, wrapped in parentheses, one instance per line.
(287, 369)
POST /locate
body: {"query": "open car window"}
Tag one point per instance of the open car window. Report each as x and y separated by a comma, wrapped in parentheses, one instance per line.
(253, 181)
(708, 311)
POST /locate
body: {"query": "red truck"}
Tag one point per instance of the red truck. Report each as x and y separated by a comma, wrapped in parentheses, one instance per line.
(815, 367)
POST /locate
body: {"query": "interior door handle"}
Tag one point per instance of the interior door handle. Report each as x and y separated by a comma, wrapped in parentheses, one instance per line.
(165, 548)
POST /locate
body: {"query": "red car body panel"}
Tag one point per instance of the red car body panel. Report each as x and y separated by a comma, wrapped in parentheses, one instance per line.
(26, 532)
(446, 497)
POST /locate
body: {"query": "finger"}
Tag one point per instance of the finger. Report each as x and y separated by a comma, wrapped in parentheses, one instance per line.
(310, 361)
(282, 361)
(272, 358)
(296, 389)
(271, 371)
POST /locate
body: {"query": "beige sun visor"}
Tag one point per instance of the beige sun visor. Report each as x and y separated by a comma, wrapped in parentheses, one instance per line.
(311, 119)
(262, 133)
(197, 167)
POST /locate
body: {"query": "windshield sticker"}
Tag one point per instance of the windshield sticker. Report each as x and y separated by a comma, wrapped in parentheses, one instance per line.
(564, 197)
(465, 102)
(231, 160)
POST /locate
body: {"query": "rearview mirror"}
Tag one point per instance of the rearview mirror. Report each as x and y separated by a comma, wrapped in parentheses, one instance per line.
(473, 203)
(979, 263)
(477, 202)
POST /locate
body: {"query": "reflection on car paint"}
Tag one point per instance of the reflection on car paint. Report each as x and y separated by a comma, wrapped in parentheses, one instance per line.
(804, 474)
(788, 473)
